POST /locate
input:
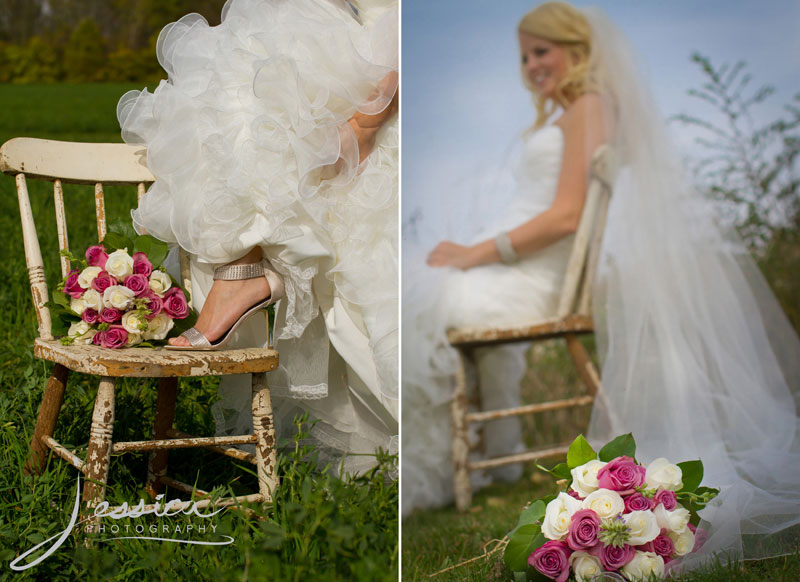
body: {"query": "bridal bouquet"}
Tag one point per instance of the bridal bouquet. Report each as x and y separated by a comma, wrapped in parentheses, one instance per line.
(120, 295)
(614, 516)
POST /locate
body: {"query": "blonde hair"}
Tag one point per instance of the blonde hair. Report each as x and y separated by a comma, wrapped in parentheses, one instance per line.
(566, 26)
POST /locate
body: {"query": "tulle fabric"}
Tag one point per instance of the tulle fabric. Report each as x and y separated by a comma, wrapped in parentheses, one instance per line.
(250, 145)
(437, 299)
(698, 359)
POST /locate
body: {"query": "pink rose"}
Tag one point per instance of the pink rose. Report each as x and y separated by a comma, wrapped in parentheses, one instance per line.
(103, 281)
(71, 286)
(583, 530)
(175, 304)
(552, 560)
(663, 546)
(90, 316)
(137, 283)
(575, 494)
(700, 536)
(622, 475)
(666, 498)
(96, 256)
(614, 558)
(638, 502)
(141, 265)
(110, 315)
(154, 303)
(114, 337)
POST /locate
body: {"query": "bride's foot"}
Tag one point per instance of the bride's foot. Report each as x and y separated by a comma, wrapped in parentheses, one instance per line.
(227, 301)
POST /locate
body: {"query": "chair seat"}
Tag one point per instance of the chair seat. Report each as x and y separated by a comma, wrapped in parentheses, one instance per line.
(549, 328)
(155, 362)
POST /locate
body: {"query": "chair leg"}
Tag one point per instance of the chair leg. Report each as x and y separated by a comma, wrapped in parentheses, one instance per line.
(264, 431)
(583, 363)
(99, 454)
(165, 416)
(458, 408)
(46, 420)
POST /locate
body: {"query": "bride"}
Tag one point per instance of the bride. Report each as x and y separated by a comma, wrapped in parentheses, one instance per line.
(698, 359)
(274, 146)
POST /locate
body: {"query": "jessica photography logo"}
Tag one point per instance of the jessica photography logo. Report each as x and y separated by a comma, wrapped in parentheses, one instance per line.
(149, 531)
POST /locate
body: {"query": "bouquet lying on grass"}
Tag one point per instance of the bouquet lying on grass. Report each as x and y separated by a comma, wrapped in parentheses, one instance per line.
(120, 295)
(615, 515)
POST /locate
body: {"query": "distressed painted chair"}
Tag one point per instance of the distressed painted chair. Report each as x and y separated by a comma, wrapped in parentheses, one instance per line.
(99, 164)
(573, 318)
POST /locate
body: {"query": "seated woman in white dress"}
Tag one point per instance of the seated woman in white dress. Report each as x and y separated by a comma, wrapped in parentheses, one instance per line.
(274, 139)
(514, 270)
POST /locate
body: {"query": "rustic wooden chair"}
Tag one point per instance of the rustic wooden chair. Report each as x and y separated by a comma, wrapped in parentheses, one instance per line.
(573, 318)
(98, 164)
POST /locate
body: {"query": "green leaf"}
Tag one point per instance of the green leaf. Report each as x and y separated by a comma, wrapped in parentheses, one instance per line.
(155, 249)
(580, 452)
(692, 474)
(123, 228)
(532, 514)
(560, 471)
(60, 298)
(622, 446)
(518, 576)
(523, 542)
(115, 241)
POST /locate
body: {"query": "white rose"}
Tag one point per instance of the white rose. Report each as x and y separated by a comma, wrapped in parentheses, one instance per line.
(676, 520)
(159, 282)
(683, 541)
(585, 566)
(158, 327)
(78, 305)
(605, 503)
(81, 333)
(558, 515)
(133, 339)
(133, 323)
(119, 264)
(642, 526)
(87, 276)
(117, 296)
(662, 473)
(584, 478)
(93, 300)
(643, 566)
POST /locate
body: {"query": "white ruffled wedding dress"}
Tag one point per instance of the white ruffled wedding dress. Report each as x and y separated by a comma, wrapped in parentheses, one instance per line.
(497, 294)
(250, 145)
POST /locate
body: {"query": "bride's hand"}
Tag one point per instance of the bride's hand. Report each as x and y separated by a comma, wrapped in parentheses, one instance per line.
(450, 254)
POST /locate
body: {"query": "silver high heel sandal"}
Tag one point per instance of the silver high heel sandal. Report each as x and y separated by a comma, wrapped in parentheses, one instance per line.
(198, 341)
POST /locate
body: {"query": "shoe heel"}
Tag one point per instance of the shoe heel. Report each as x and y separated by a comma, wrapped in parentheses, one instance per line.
(269, 331)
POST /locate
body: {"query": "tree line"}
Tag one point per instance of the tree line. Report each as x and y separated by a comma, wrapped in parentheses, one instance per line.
(46, 41)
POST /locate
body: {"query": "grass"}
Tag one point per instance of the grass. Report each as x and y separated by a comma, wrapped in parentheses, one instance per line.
(434, 541)
(319, 527)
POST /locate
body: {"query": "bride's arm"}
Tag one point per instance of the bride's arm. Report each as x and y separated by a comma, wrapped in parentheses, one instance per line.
(584, 130)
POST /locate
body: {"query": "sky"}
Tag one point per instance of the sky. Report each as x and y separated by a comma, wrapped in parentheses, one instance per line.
(463, 102)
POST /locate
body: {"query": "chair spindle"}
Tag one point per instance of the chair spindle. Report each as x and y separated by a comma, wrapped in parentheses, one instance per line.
(100, 210)
(61, 224)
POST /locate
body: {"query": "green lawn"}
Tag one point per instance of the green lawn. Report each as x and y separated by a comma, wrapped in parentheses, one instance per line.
(319, 528)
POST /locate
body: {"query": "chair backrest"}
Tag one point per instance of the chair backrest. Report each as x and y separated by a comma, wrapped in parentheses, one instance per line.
(69, 163)
(576, 292)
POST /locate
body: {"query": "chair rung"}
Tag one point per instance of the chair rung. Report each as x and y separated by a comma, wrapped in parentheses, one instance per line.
(529, 409)
(63, 452)
(180, 443)
(181, 486)
(519, 458)
(229, 451)
(552, 328)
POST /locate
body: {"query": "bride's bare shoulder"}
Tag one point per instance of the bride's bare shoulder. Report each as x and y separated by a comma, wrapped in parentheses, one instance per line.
(588, 117)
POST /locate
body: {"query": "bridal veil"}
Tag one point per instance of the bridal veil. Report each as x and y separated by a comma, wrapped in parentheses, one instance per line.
(699, 360)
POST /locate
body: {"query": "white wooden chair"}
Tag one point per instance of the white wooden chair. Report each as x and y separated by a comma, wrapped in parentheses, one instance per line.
(98, 164)
(573, 318)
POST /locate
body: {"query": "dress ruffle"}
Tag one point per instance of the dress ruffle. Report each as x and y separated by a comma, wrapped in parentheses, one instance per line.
(249, 141)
